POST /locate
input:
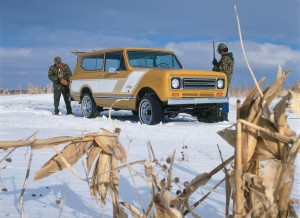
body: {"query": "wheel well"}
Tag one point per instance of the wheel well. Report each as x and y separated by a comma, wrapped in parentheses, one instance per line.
(83, 91)
(143, 92)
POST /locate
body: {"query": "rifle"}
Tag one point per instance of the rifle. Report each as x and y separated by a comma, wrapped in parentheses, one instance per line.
(214, 62)
(214, 50)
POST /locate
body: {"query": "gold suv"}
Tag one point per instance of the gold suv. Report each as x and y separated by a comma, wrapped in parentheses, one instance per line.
(150, 82)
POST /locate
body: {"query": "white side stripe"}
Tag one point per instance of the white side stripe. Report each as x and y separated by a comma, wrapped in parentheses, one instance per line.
(132, 81)
(77, 84)
(107, 85)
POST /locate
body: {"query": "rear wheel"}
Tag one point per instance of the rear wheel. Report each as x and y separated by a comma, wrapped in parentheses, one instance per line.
(150, 110)
(89, 108)
(212, 115)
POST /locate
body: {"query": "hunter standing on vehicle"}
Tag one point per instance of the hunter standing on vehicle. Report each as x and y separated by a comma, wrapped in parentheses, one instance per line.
(60, 73)
(225, 65)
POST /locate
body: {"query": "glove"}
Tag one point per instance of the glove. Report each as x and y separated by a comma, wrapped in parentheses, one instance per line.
(215, 62)
(64, 82)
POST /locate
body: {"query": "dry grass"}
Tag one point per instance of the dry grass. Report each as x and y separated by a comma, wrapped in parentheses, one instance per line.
(239, 91)
(37, 90)
(31, 89)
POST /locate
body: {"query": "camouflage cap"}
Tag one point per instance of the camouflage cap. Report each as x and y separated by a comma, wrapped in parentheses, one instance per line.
(221, 46)
(57, 60)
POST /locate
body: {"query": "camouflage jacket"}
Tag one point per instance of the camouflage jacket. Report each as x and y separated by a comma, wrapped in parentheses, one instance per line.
(226, 65)
(54, 74)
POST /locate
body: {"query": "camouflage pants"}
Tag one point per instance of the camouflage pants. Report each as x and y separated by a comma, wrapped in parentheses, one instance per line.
(65, 91)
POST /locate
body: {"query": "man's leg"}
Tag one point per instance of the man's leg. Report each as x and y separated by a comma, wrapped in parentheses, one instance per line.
(225, 110)
(57, 94)
(66, 95)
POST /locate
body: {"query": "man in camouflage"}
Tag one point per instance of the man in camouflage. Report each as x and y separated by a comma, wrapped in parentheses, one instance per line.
(60, 73)
(225, 65)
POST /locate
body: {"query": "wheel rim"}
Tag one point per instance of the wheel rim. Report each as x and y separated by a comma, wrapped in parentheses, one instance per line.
(145, 112)
(86, 106)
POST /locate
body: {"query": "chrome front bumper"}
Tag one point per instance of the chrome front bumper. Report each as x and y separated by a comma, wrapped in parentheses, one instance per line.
(183, 101)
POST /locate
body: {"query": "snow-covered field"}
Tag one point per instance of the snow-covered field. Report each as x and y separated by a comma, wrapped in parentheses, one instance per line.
(23, 115)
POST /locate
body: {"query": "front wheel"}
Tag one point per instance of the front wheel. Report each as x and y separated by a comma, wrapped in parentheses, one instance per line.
(89, 108)
(150, 110)
(135, 113)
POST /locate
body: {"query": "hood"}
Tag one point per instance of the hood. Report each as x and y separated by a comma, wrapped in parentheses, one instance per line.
(195, 73)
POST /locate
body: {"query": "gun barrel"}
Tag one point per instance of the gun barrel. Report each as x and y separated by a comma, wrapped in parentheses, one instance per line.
(214, 49)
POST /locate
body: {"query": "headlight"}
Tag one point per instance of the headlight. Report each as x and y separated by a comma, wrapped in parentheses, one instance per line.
(175, 83)
(220, 83)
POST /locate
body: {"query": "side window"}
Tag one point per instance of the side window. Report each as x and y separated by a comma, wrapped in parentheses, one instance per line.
(92, 62)
(114, 61)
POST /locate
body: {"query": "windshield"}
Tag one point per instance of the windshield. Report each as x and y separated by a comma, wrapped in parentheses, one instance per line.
(150, 59)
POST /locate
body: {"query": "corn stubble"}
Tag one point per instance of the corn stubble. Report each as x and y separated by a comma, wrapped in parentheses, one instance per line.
(267, 139)
(103, 153)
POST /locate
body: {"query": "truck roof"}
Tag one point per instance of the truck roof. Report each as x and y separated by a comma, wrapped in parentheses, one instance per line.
(94, 52)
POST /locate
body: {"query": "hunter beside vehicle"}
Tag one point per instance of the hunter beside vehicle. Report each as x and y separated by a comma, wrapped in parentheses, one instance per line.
(150, 82)
(59, 73)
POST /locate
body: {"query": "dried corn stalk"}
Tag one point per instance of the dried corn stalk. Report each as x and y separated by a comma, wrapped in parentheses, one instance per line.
(103, 151)
(72, 153)
(267, 136)
(101, 176)
(162, 206)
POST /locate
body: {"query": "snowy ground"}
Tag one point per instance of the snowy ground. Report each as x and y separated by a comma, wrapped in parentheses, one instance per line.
(23, 115)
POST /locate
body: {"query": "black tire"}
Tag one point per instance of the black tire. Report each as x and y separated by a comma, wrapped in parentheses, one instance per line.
(135, 113)
(150, 110)
(89, 108)
(202, 119)
(212, 115)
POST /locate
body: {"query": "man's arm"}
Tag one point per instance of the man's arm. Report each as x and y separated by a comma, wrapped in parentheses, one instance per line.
(66, 72)
(216, 65)
(52, 75)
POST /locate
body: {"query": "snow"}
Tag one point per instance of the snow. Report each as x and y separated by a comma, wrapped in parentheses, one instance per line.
(23, 115)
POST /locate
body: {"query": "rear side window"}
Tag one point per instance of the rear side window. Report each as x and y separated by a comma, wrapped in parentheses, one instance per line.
(114, 62)
(92, 62)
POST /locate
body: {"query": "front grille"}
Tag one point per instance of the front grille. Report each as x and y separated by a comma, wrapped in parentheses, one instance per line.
(199, 83)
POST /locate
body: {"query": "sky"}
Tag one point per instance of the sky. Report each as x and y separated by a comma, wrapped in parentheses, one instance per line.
(33, 32)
